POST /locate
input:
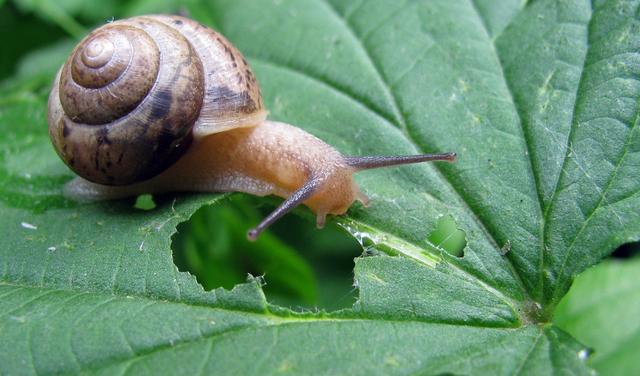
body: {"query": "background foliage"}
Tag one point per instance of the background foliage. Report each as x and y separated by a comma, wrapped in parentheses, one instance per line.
(539, 99)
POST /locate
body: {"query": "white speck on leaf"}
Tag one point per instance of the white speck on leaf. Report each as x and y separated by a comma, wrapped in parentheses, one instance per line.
(584, 354)
(28, 225)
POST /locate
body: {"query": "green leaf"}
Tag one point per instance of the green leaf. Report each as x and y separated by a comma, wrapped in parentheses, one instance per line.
(539, 100)
(600, 309)
(131, 335)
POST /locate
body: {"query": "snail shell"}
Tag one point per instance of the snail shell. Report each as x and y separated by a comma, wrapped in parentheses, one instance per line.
(135, 93)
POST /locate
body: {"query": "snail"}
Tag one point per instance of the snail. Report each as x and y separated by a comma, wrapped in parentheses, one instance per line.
(157, 104)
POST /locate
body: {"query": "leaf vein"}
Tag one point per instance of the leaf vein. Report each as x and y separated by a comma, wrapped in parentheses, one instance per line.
(376, 67)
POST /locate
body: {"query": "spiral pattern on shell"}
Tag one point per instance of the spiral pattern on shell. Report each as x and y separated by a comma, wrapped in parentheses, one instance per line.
(124, 106)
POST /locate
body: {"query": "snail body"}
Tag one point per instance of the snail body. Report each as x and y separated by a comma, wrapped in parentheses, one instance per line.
(190, 118)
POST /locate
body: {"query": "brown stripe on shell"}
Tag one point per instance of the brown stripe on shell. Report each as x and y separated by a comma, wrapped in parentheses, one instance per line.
(232, 91)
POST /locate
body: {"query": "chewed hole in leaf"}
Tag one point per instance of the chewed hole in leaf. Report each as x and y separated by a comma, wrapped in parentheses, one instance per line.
(448, 237)
(303, 267)
(145, 202)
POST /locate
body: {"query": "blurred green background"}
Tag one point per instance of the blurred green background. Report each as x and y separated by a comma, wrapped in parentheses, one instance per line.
(303, 267)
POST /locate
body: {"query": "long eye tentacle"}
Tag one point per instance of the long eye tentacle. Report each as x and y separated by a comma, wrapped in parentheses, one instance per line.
(307, 190)
(369, 163)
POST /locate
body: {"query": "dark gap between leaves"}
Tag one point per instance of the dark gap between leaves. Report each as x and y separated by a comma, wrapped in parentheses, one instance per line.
(627, 250)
